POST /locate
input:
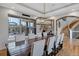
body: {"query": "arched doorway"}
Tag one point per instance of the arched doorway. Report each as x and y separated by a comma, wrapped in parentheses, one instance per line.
(64, 22)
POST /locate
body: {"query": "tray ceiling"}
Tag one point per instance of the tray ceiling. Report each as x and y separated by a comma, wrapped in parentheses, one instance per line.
(37, 9)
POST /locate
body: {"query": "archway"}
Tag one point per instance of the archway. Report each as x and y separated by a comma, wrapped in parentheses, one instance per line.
(72, 20)
(64, 22)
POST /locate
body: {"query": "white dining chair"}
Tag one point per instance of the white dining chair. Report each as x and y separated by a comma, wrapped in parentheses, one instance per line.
(62, 38)
(11, 38)
(57, 43)
(37, 48)
(20, 39)
(39, 35)
(31, 36)
(51, 44)
(26, 39)
(45, 35)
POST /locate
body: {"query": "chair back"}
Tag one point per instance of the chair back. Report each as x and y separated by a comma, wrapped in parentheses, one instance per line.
(31, 36)
(58, 41)
(45, 34)
(62, 38)
(37, 48)
(51, 44)
(19, 37)
(11, 38)
(20, 40)
(39, 35)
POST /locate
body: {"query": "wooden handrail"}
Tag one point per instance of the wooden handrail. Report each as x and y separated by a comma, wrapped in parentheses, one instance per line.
(69, 26)
(63, 18)
(73, 23)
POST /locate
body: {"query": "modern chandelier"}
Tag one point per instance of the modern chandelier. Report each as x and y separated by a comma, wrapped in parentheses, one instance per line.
(44, 9)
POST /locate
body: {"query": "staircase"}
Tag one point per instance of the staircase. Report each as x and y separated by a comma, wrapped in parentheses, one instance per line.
(66, 28)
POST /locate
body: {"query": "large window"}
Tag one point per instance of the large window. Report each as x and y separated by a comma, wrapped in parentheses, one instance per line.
(14, 25)
(20, 25)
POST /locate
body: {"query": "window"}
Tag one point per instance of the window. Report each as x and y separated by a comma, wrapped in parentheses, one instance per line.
(20, 25)
(14, 25)
(23, 23)
(31, 27)
(30, 24)
(14, 20)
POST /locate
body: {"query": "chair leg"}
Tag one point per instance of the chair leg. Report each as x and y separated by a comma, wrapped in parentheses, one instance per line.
(61, 45)
(45, 53)
(8, 54)
(54, 53)
(29, 54)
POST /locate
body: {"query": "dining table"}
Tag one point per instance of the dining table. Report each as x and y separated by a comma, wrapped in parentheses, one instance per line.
(24, 49)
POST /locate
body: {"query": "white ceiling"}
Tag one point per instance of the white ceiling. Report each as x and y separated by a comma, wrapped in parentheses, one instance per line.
(37, 9)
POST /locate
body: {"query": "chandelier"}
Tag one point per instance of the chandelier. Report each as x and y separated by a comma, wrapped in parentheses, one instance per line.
(44, 9)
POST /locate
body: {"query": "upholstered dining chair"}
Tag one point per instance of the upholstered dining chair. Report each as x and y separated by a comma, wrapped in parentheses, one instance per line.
(37, 48)
(31, 38)
(51, 45)
(20, 39)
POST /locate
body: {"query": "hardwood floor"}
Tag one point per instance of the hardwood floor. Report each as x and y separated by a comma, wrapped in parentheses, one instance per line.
(3, 52)
(69, 48)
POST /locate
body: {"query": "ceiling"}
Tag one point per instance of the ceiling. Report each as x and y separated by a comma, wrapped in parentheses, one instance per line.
(37, 9)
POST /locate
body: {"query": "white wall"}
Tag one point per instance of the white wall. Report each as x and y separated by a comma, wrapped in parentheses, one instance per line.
(3, 27)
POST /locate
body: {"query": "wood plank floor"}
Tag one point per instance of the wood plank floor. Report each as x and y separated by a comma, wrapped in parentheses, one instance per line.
(3, 52)
(69, 48)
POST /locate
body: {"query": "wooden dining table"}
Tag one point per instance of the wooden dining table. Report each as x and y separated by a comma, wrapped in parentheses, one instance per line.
(25, 49)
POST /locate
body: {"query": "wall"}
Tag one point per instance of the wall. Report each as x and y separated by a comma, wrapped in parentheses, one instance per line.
(3, 27)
